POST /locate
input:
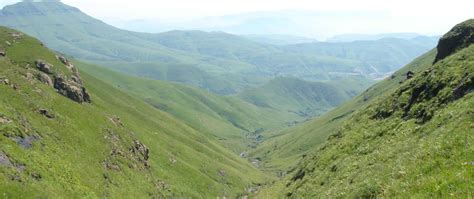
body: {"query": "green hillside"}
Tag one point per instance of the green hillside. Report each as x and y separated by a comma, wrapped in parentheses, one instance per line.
(67, 29)
(414, 139)
(231, 120)
(110, 145)
(216, 61)
(301, 97)
(283, 149)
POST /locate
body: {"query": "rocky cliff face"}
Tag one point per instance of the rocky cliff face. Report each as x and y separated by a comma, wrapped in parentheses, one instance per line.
(461, 36)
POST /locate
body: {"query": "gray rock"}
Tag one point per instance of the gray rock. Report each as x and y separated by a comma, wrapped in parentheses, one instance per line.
(71, 89)
(65, 61)
(76, 78)
(42, 77)
(2, 53)
(141, 151)
(44, 66)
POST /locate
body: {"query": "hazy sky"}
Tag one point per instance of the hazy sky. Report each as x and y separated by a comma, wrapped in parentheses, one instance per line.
(436, 15)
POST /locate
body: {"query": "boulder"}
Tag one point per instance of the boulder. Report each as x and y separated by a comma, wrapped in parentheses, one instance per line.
(44, 78)
(2, 53)
(65, 61)
(44, 66)
(461, 36)
(71, 89)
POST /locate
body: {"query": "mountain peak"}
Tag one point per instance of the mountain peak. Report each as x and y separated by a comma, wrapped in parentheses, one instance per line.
(459, 37)
(43, 7)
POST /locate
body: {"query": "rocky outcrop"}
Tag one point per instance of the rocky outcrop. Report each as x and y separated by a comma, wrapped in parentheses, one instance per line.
(116, 121)
(44, 78)
(461, 36)
(141, 152)
(71, 89)
(43, 66)
(65, 61)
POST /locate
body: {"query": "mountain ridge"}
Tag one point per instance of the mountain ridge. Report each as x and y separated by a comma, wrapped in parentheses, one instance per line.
(222, 63)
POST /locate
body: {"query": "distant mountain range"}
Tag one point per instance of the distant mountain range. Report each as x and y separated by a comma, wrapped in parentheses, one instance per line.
(279, 39)
(365, 37)
(220, 62)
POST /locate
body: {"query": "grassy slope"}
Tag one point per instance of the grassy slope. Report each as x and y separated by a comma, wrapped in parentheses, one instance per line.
(414, 140)
(229, 119)
(72, 148)
(285, 148)
(301, 97)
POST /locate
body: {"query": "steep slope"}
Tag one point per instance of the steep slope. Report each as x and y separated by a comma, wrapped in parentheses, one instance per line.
(110, 145)
(227, 118)
(232, 62)
(304, 98)
(414, 141)
(285, 148)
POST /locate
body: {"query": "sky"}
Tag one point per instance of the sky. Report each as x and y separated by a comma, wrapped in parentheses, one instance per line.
(400, 15)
